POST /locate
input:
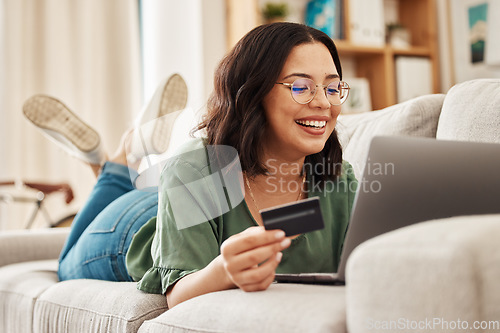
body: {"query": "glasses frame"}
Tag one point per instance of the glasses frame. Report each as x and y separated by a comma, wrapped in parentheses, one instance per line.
(322, 86)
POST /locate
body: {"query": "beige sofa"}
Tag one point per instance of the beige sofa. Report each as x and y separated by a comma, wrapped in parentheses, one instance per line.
(446, 269)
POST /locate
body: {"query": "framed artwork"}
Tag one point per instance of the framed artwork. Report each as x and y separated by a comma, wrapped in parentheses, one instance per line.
(476, 49)
(325, 15)
(359, 96)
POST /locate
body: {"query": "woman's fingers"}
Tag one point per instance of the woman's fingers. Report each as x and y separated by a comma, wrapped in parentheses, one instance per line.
(263, 285)
(255, 256)
(251, 238)
(250, 258)
(258, 278)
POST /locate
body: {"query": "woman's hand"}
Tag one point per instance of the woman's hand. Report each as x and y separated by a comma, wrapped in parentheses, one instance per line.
(250, 258)
(238, 265)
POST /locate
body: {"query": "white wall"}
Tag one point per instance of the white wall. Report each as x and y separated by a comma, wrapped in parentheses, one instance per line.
(3, 91)
(214, 39)
(445, 64)
(3, 205)
(185, 37)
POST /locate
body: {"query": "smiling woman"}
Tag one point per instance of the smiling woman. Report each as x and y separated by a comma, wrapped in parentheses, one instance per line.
(257, 108)
(203, 232)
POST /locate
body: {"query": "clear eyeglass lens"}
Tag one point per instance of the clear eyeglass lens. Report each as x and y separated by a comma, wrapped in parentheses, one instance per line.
(304, 90)
(333, 93)
(344, 91)
(337, 92)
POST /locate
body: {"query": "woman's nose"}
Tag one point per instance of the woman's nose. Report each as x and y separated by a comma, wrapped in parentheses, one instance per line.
(320, 99)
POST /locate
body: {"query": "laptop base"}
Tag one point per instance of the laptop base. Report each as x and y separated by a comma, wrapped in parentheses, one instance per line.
(309, 278)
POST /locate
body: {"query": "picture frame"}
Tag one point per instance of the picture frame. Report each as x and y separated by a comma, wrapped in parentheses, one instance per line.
(475, 51)
(359, 99)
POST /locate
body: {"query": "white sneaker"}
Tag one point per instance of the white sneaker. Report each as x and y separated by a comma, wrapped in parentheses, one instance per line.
(63, 127)
(154, 125)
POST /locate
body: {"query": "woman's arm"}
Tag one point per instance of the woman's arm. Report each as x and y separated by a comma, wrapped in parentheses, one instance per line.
(248, 261)
(209, 279)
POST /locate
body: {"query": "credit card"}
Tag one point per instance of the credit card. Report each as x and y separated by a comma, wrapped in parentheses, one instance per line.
(295, 218)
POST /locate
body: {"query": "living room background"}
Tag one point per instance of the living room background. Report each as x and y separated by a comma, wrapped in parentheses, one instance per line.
(104, 60)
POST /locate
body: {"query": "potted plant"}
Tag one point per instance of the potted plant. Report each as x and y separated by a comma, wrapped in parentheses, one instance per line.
(275, 12)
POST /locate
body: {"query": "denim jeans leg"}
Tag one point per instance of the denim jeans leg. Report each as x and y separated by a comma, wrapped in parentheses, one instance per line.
(101, 249)
(113, 182)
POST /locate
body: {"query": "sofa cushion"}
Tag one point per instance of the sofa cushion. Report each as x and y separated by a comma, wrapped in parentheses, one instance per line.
(280, 308)
(443, 270)
(95, 306)
(416, 117)
(471, 112)
(20, 286)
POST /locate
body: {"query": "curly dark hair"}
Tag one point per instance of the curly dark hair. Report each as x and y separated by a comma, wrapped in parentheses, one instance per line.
(235, 113)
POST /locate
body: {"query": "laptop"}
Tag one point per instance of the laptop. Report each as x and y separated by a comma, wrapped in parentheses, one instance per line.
(408, 180)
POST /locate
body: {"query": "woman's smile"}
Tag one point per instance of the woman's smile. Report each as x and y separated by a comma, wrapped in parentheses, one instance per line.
(314, 125)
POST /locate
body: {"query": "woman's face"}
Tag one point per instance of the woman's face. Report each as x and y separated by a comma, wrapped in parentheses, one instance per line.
(287, 134)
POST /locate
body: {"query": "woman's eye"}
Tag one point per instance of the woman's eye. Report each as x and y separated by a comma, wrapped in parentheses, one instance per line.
(331, 91)
(300, 89)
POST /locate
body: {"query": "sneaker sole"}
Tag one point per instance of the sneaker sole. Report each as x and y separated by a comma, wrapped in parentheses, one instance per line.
(174, 98)
(49, 113)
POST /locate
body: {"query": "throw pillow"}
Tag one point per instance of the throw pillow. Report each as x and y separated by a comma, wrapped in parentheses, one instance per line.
(416, 117)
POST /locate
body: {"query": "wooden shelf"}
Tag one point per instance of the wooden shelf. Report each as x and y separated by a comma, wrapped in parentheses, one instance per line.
(347, 48)
(413, 51)
(377, 64)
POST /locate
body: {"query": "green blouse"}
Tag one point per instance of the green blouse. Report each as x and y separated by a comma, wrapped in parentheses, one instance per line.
(162, 252)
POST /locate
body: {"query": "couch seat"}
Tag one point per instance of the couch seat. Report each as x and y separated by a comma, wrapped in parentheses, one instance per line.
(281, 308)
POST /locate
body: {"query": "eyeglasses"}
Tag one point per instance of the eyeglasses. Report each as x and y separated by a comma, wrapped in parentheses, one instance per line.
(304, 90)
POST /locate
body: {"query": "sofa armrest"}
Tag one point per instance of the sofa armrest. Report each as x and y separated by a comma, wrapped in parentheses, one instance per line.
(95, 306)
(28, 245)
(432, 274)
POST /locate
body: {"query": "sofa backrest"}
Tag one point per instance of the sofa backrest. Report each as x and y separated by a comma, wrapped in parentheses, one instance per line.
(416, 117)
(471, 112)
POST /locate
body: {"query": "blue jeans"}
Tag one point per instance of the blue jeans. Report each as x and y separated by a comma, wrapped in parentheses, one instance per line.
(103, 229)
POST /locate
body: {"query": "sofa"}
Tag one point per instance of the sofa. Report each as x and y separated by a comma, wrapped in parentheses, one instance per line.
(404, 280)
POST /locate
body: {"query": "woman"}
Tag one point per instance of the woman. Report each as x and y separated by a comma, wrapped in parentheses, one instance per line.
(276, 100)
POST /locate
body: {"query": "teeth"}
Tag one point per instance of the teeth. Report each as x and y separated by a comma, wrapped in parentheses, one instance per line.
(312, 123)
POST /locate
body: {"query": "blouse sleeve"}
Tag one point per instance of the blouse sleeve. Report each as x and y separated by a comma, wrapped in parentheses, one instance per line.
(187, 236)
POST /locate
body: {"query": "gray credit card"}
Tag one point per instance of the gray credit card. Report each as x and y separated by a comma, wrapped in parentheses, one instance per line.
(294, 218)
